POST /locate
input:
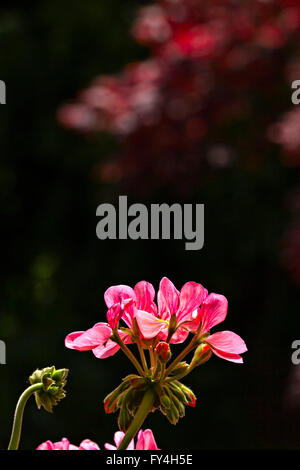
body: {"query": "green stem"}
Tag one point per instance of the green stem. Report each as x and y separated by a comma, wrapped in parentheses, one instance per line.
(18, 418)
(182, 355)
(141, 414)
(142, 355)
(152, 360)
(128, 353)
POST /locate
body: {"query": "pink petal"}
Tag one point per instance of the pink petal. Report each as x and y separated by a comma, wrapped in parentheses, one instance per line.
(128, 311)
(114, 315)
(87, 444)
(179, 336)
(190, 298)
(213, 311)
(227, 341)
(148, 324)
(167, 298)
(228, 356)
(116, 294)
(48, 445)
(107, 350)
(146, 441)
(92, 338)
(227, 345)
(69, 340)
(145, 294)
(118, 438)
(110, 447)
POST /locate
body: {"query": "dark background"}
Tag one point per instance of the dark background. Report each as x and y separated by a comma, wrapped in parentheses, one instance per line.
(54, 270)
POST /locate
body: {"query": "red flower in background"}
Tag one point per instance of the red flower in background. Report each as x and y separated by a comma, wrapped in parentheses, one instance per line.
(213, 66)
(210, 63)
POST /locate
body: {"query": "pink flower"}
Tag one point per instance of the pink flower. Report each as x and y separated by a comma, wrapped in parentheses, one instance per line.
(64, 444)
(172, 304)
(224, 344)
(145, 441)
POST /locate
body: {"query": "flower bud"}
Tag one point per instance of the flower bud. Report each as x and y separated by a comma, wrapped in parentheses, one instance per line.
(201, 355)
(125, 419)
(111, 400)
(178, 393)
(165, 401)
(180, 368)
(163, 351)
(53, 386)
(172, 414)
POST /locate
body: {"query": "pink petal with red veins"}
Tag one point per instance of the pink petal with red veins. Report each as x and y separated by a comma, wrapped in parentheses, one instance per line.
(167, 298)
(116, 294)
(128, 306)
(227, 345)
(145, 294)
(48, 445)
(148, 324)
(190, 298)
(93, 337)
(146, 441)
(64, 444)
(213, 311)
(228, 356)
(179, 336)
(114, 315)
(228, 342)
(107, 350)
(69, 340)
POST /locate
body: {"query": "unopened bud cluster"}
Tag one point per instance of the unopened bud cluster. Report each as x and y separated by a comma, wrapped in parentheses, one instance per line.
(52, 390)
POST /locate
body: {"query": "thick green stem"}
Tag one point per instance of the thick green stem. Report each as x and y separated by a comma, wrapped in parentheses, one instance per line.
(18, 418)
(141, 414)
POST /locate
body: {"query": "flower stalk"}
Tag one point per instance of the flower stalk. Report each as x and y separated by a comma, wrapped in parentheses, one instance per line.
(18, 417)
(140, 416)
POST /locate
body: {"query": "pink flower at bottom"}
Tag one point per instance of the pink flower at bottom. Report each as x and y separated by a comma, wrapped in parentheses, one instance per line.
(64, 444)
(145, 441)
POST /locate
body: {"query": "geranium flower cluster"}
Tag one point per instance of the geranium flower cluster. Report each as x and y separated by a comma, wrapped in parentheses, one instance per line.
(133, 317)
(212, 65)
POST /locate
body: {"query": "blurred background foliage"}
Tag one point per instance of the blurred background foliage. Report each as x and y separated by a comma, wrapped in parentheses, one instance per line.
(55, 271)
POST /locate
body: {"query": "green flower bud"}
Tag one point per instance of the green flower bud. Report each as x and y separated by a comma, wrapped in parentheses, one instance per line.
(125, 419)
(178, 393)
(165, 401)
(180, 368)
(53, 386)
(172, 414)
